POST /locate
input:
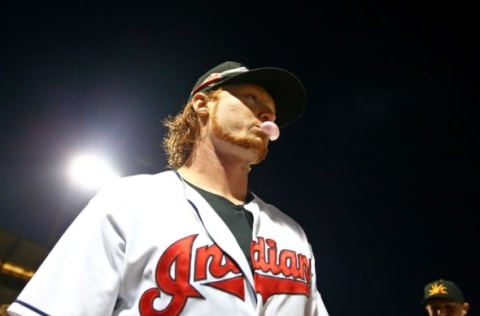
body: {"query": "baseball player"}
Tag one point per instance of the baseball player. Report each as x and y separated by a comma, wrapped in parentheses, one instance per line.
(444, 298)
(191, 240)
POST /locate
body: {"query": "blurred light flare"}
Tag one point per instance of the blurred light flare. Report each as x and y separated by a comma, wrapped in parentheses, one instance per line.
(91, 172)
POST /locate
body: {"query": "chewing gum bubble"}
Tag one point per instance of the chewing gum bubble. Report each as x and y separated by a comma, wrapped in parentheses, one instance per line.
(271, 129)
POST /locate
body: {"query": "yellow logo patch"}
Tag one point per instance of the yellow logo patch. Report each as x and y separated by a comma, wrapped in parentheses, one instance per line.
(437, 288)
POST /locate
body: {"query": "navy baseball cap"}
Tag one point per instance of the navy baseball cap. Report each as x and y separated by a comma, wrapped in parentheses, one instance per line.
(442, 289)
(283, 86)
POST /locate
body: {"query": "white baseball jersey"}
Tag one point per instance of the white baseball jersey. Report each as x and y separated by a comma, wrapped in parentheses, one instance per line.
(152, 245)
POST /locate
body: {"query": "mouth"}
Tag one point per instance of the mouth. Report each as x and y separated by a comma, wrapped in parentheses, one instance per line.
(257, 129)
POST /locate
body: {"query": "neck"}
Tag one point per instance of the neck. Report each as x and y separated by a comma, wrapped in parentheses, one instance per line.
(224, 178)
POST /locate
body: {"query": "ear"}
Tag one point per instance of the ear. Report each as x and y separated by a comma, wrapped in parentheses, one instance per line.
(200, 103)
(465, 309)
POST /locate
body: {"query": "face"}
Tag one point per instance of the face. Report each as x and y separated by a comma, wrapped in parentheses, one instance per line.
(237, 116)
(444, 307)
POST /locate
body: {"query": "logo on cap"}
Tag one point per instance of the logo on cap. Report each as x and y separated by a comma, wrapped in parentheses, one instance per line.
(215, 77)
(437, 288)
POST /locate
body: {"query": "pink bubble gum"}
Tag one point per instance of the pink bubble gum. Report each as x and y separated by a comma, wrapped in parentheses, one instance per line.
(271, 129)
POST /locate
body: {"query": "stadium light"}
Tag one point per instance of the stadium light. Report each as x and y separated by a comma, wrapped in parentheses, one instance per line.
(91, 172)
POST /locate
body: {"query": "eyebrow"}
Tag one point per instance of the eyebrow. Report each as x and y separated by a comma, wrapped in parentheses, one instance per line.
(443, 305)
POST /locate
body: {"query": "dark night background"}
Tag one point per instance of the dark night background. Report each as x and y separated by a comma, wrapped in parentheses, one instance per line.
(381, 170)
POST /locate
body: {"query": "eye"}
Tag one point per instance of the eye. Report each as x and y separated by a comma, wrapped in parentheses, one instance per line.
(251, 98)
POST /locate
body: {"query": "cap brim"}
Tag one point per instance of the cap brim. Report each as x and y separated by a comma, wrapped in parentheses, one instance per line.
(424, 302)
(284, 87)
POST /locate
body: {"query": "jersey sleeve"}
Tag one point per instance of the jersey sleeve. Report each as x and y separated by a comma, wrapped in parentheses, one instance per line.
(82, 272)
(315, 306)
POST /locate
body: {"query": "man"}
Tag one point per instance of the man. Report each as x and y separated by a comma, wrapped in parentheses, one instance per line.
(193, 240)
(444, 298)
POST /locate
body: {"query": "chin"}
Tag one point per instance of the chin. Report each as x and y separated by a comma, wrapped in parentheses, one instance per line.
(257, 147)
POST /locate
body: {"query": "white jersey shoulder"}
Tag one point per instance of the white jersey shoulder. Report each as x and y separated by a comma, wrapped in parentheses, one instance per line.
(150, 244)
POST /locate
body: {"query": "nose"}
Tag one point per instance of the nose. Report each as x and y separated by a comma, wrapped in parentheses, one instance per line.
(266, 116)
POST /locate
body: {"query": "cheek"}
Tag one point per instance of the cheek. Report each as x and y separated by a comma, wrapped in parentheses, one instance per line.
(231, 117)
